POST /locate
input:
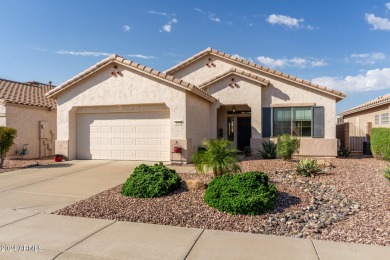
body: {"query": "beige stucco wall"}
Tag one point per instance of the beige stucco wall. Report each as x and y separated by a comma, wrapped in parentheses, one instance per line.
(132, 88)
(198, 126)
(279, 91)
(26, 120)
(2, 115)
(358, 121)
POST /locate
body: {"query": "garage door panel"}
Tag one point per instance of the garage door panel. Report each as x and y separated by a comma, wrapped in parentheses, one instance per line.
(124, 136)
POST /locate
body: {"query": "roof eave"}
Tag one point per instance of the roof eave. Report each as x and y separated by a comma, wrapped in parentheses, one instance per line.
(359, 109)
(113, 58)
(337, 94)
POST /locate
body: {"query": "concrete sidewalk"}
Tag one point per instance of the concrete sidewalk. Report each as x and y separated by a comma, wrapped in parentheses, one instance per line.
(28, 235)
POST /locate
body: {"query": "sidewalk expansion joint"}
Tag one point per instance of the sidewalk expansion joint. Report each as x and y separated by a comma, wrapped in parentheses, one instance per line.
(315, 249)
(36, 213)
(97, 231)
(196, 241)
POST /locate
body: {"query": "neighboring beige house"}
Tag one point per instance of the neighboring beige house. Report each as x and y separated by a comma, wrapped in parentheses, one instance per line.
(373, 113)
(119, 109)
(355, 124)
(25, 107)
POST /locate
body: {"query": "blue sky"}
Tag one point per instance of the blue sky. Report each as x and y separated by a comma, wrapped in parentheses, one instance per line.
(341, 44)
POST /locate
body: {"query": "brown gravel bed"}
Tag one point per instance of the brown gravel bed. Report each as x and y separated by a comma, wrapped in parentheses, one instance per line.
(352, 196)
(183, 208)
(361, 179)
(17, 164)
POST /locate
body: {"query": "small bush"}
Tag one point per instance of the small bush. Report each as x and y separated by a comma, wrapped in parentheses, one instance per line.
(269, 150)
(7, 137)
(219, 155)
(380, 143)
(287, 146)
(248, 193)
(151, 181)
(343, 152)
(387, 173)
(307, 167)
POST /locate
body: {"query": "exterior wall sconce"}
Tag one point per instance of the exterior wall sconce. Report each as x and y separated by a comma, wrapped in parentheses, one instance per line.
(234, 109)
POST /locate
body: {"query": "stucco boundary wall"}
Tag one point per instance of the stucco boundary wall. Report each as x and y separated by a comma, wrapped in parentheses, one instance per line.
(311, 147)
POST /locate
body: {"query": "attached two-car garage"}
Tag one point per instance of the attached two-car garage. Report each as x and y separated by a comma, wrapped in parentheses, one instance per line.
(143, 136)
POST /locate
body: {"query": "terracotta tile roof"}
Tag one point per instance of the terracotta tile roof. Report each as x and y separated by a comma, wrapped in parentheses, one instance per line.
(379, 101)
(135, 66)
(339, 95)
(235, 71)
(29, 93)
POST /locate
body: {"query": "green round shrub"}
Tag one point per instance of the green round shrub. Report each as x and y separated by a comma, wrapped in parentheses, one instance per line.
(248, 193)
(151, 181)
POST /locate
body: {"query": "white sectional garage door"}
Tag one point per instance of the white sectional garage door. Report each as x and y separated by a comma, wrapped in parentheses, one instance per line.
(141, 136)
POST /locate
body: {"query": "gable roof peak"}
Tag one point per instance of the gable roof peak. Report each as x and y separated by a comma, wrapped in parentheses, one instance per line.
(134, 66)
(248, 64)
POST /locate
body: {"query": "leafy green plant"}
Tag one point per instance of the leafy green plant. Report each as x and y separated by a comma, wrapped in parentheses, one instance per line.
(7, 137)
(248, 151)
(151, 181)
(343, 152)
(380, 143)
(307, 167)
(219, 155)
(269, 150)
(287, 146)
(387, 173)
(248, 193)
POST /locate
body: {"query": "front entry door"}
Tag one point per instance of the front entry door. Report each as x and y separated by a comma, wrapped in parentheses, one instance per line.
(243, 132)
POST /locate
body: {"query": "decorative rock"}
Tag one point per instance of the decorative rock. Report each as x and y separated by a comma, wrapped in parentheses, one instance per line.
(195, 185)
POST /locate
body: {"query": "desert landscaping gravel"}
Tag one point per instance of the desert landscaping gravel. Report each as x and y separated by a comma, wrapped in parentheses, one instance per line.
(17, 164)
(348, 202)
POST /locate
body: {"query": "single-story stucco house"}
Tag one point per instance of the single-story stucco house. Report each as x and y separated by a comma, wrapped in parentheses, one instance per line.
(374, 113)
(355, 124)
(119, 109)
(25, 107)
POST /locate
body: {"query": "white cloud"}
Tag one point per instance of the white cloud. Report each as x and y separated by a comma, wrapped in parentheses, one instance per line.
(167, 27)
(37, 48)
(240, 57)
(378, 23)
(367, 58)
(126, 28)
(211, 16)
(387, 6)
(371, 80)
(284, 20)
(83, 53)
(159, 13)
(294, 62)
(141, 56)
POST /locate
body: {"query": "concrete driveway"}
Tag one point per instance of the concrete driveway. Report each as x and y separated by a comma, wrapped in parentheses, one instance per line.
(48, 188)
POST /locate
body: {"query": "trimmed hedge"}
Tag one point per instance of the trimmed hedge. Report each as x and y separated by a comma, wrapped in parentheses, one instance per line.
(151, 181)
(248, 193)
(380, 143)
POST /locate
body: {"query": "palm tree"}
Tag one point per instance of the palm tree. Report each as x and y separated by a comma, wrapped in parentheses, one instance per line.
(220, 155)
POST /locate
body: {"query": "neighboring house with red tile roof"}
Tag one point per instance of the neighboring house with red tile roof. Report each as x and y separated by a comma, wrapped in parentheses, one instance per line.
(374, 113)
(25, 107)
(119, 109)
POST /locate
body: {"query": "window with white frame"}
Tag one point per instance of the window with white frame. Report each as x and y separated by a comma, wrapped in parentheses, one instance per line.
(385, 118)
(376, 119)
